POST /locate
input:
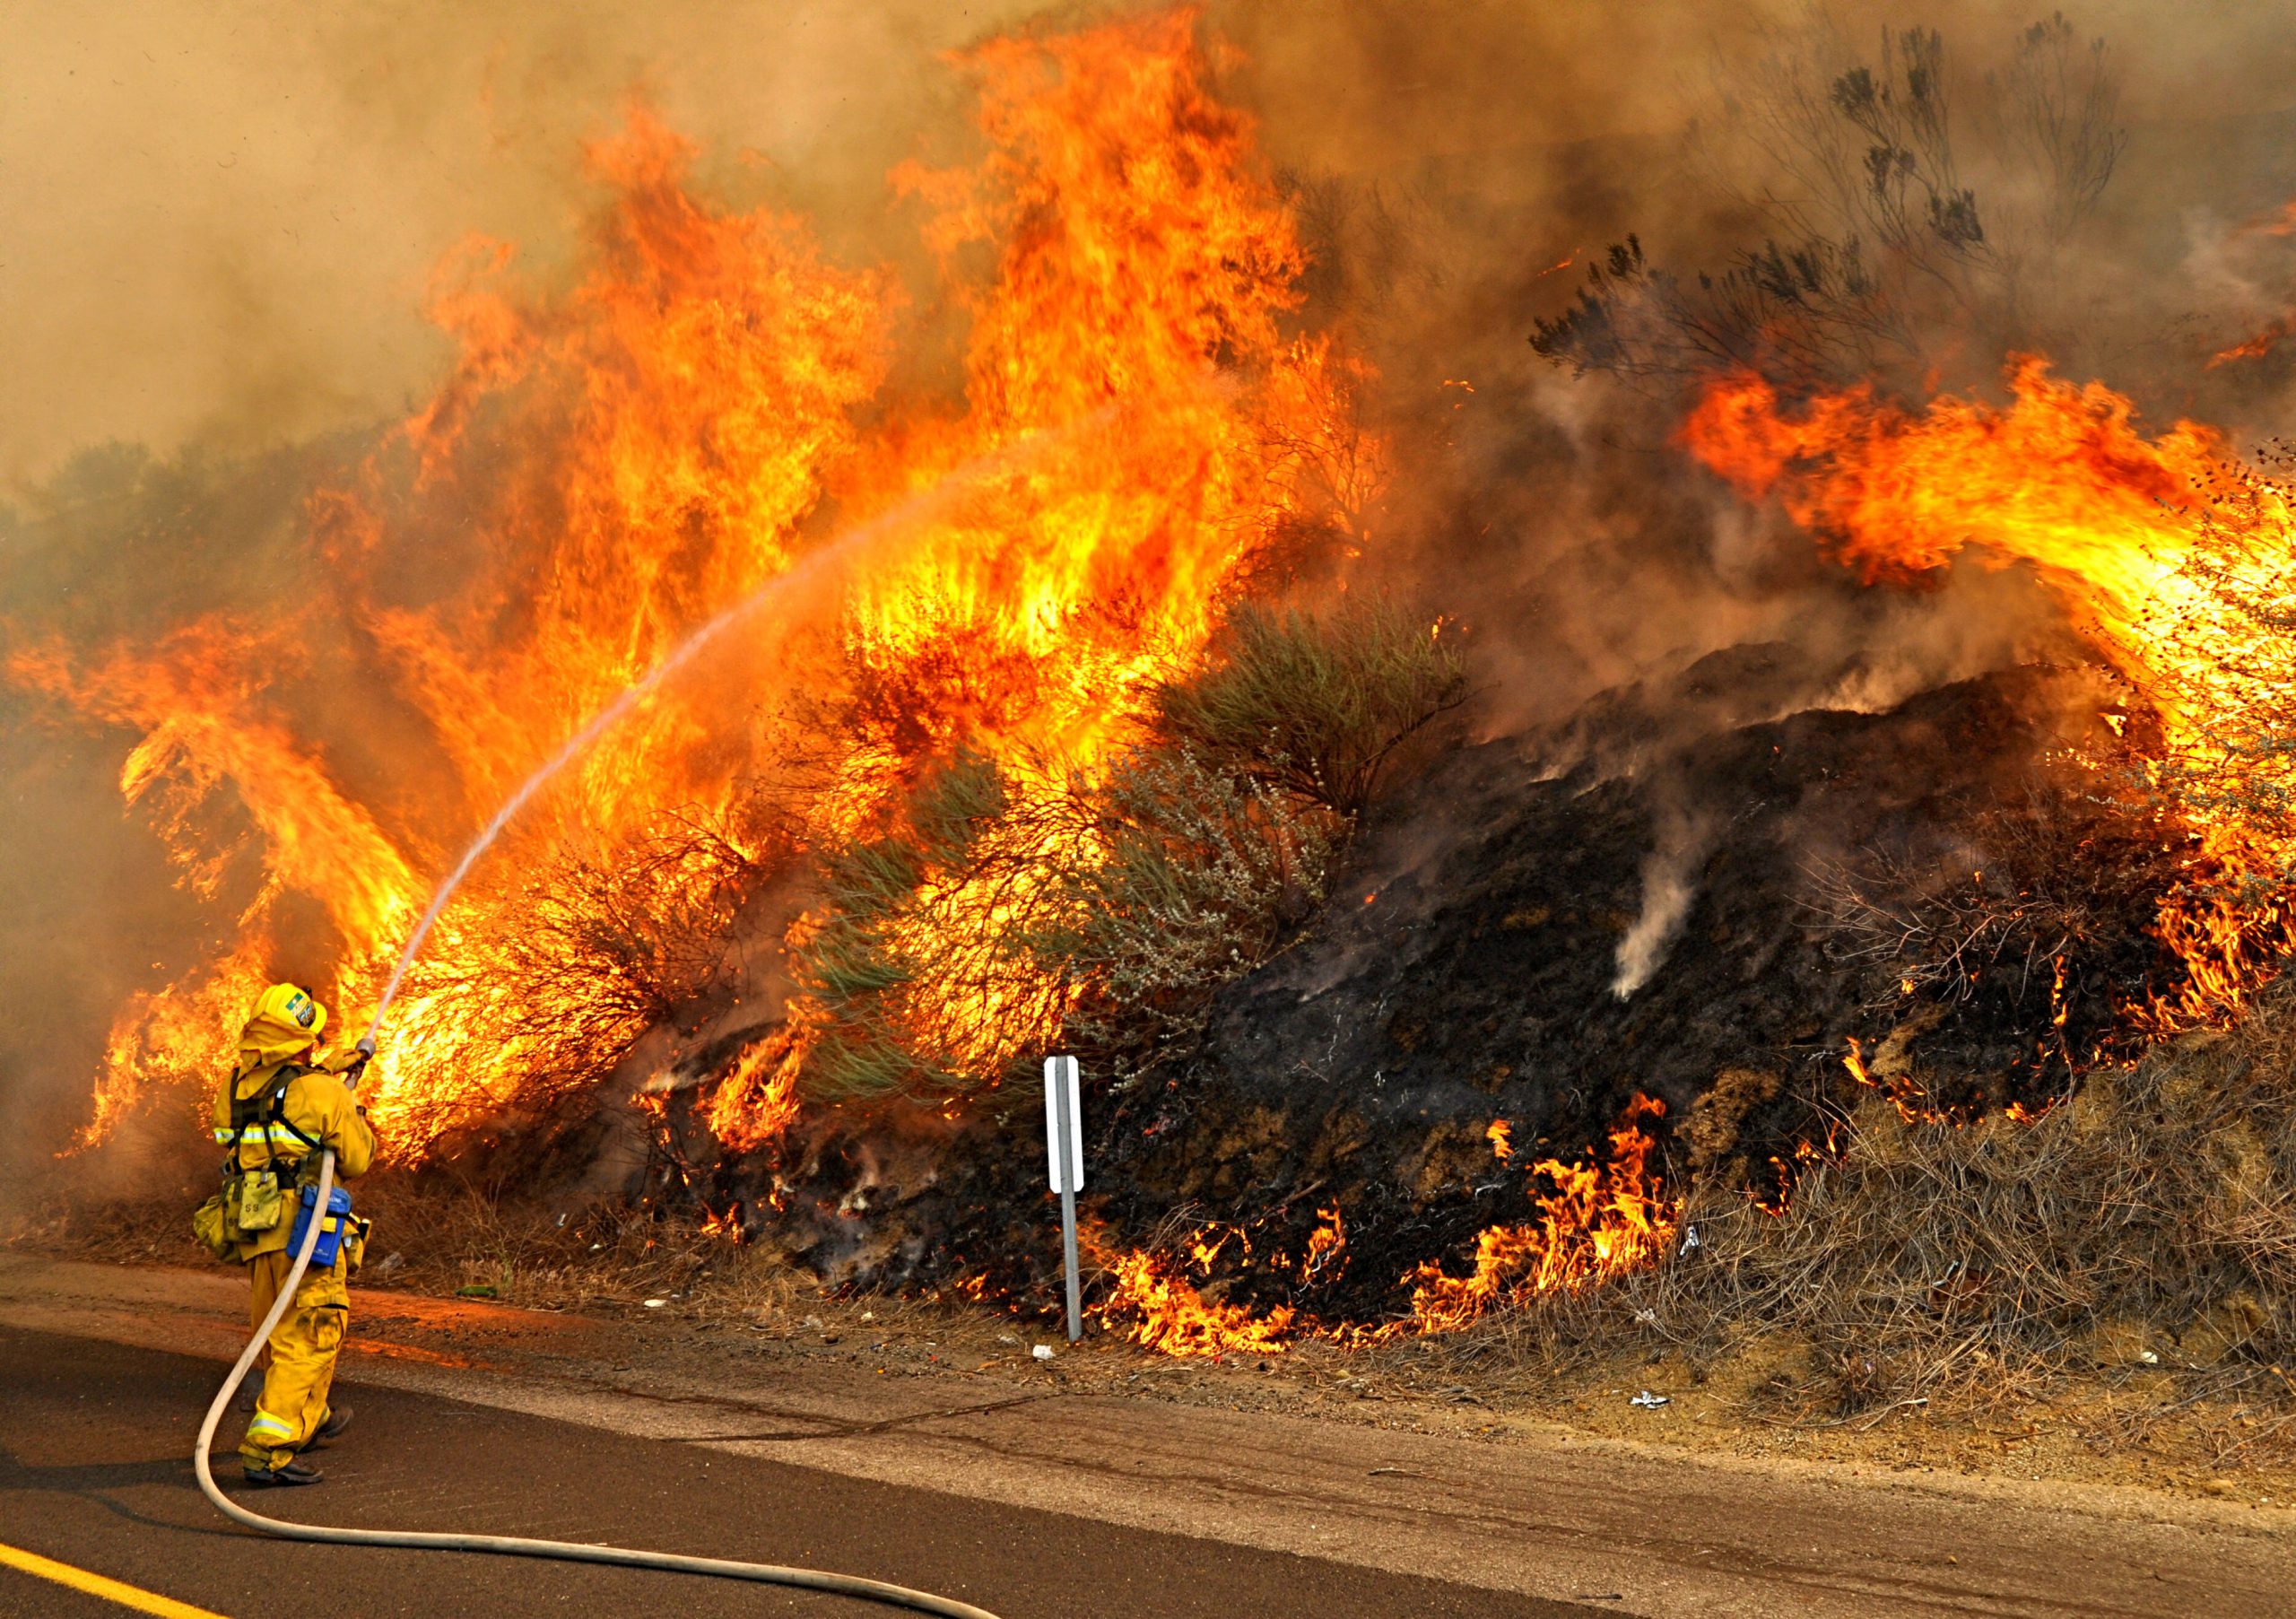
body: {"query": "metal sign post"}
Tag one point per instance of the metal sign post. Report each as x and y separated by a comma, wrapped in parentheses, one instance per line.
(1064, 1141)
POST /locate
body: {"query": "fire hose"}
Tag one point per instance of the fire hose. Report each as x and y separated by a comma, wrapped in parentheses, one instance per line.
(510, 1545)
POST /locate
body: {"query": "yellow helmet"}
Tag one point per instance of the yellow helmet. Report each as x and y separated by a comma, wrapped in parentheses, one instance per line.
(283, 1021)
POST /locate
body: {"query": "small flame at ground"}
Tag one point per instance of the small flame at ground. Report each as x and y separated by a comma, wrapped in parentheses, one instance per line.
(1160, 1310)
(1603, 1217)
(1327, 1252)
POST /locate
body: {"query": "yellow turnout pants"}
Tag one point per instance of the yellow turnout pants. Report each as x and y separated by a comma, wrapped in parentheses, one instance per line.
(303, 1348)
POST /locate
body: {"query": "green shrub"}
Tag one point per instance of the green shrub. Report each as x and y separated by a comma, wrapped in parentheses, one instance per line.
(889, 965)
(1318, 707)
(1195, 872)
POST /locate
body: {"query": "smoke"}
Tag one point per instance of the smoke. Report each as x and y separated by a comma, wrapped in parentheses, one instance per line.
(1551, 513)
(1669, 885)
(221, 218)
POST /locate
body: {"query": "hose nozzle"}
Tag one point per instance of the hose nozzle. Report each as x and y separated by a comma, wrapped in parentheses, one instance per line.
(366, 1047)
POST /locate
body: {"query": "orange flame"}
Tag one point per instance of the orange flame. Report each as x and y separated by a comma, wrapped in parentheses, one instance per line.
(1160, 1310)
(2280, 224)
(1903, 1093)
(606, 468)
(1604, 1219)
(2267, 338)
(2130, 531)
(1327, 1246)
(755, 1098)
(196, 698)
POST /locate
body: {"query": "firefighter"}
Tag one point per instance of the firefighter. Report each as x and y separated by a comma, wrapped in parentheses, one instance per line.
(283, 1104)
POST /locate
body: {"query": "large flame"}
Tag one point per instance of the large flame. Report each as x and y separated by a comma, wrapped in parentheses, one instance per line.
(2167, 552)
(2061, 479)
(608, 465)
(197, 702)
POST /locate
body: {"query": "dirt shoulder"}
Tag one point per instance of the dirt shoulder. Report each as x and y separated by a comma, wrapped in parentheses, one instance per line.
(1309, 1455)
(695, 1304)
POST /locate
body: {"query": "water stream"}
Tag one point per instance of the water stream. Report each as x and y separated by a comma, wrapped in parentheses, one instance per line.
(915, 507)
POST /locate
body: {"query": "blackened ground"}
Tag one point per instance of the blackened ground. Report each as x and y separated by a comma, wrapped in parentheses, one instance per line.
(1466, 970)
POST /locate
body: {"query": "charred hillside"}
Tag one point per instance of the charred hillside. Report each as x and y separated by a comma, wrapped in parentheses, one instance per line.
(1935, 882)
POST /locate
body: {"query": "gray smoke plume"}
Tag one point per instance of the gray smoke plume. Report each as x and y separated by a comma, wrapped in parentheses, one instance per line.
(1669, 885)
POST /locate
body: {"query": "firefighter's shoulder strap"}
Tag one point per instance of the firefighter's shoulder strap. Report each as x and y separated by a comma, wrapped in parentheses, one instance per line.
(267, 1107)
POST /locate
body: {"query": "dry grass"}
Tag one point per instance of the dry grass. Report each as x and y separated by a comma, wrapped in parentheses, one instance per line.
(2136, 1245)
(471, 1240)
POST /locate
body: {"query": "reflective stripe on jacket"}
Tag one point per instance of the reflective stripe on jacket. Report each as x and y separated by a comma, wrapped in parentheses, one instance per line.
(284, 1142)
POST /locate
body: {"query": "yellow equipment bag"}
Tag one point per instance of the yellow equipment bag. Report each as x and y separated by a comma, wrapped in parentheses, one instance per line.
(213, 1226)
(254, 1198)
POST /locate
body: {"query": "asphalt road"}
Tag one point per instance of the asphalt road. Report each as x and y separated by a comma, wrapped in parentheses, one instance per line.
(95, 1472)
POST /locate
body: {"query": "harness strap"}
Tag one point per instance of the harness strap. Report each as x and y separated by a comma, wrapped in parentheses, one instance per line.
(268, 1109)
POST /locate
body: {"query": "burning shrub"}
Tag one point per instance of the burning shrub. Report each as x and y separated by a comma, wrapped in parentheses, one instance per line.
(600, 947)
(2228, 657)
(1317, 707)
(643, 932)
(1114, 907)
(702, 410)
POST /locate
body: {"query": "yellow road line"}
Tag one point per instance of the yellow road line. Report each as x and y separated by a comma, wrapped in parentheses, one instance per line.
(96, 1585)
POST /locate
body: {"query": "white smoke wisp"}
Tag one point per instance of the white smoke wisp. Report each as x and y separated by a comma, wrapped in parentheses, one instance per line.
(1669, 884)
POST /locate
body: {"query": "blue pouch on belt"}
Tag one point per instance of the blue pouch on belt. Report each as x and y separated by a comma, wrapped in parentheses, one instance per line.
(338, 1217)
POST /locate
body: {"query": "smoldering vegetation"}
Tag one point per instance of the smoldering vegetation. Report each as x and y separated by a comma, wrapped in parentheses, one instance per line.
(1462, 972)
